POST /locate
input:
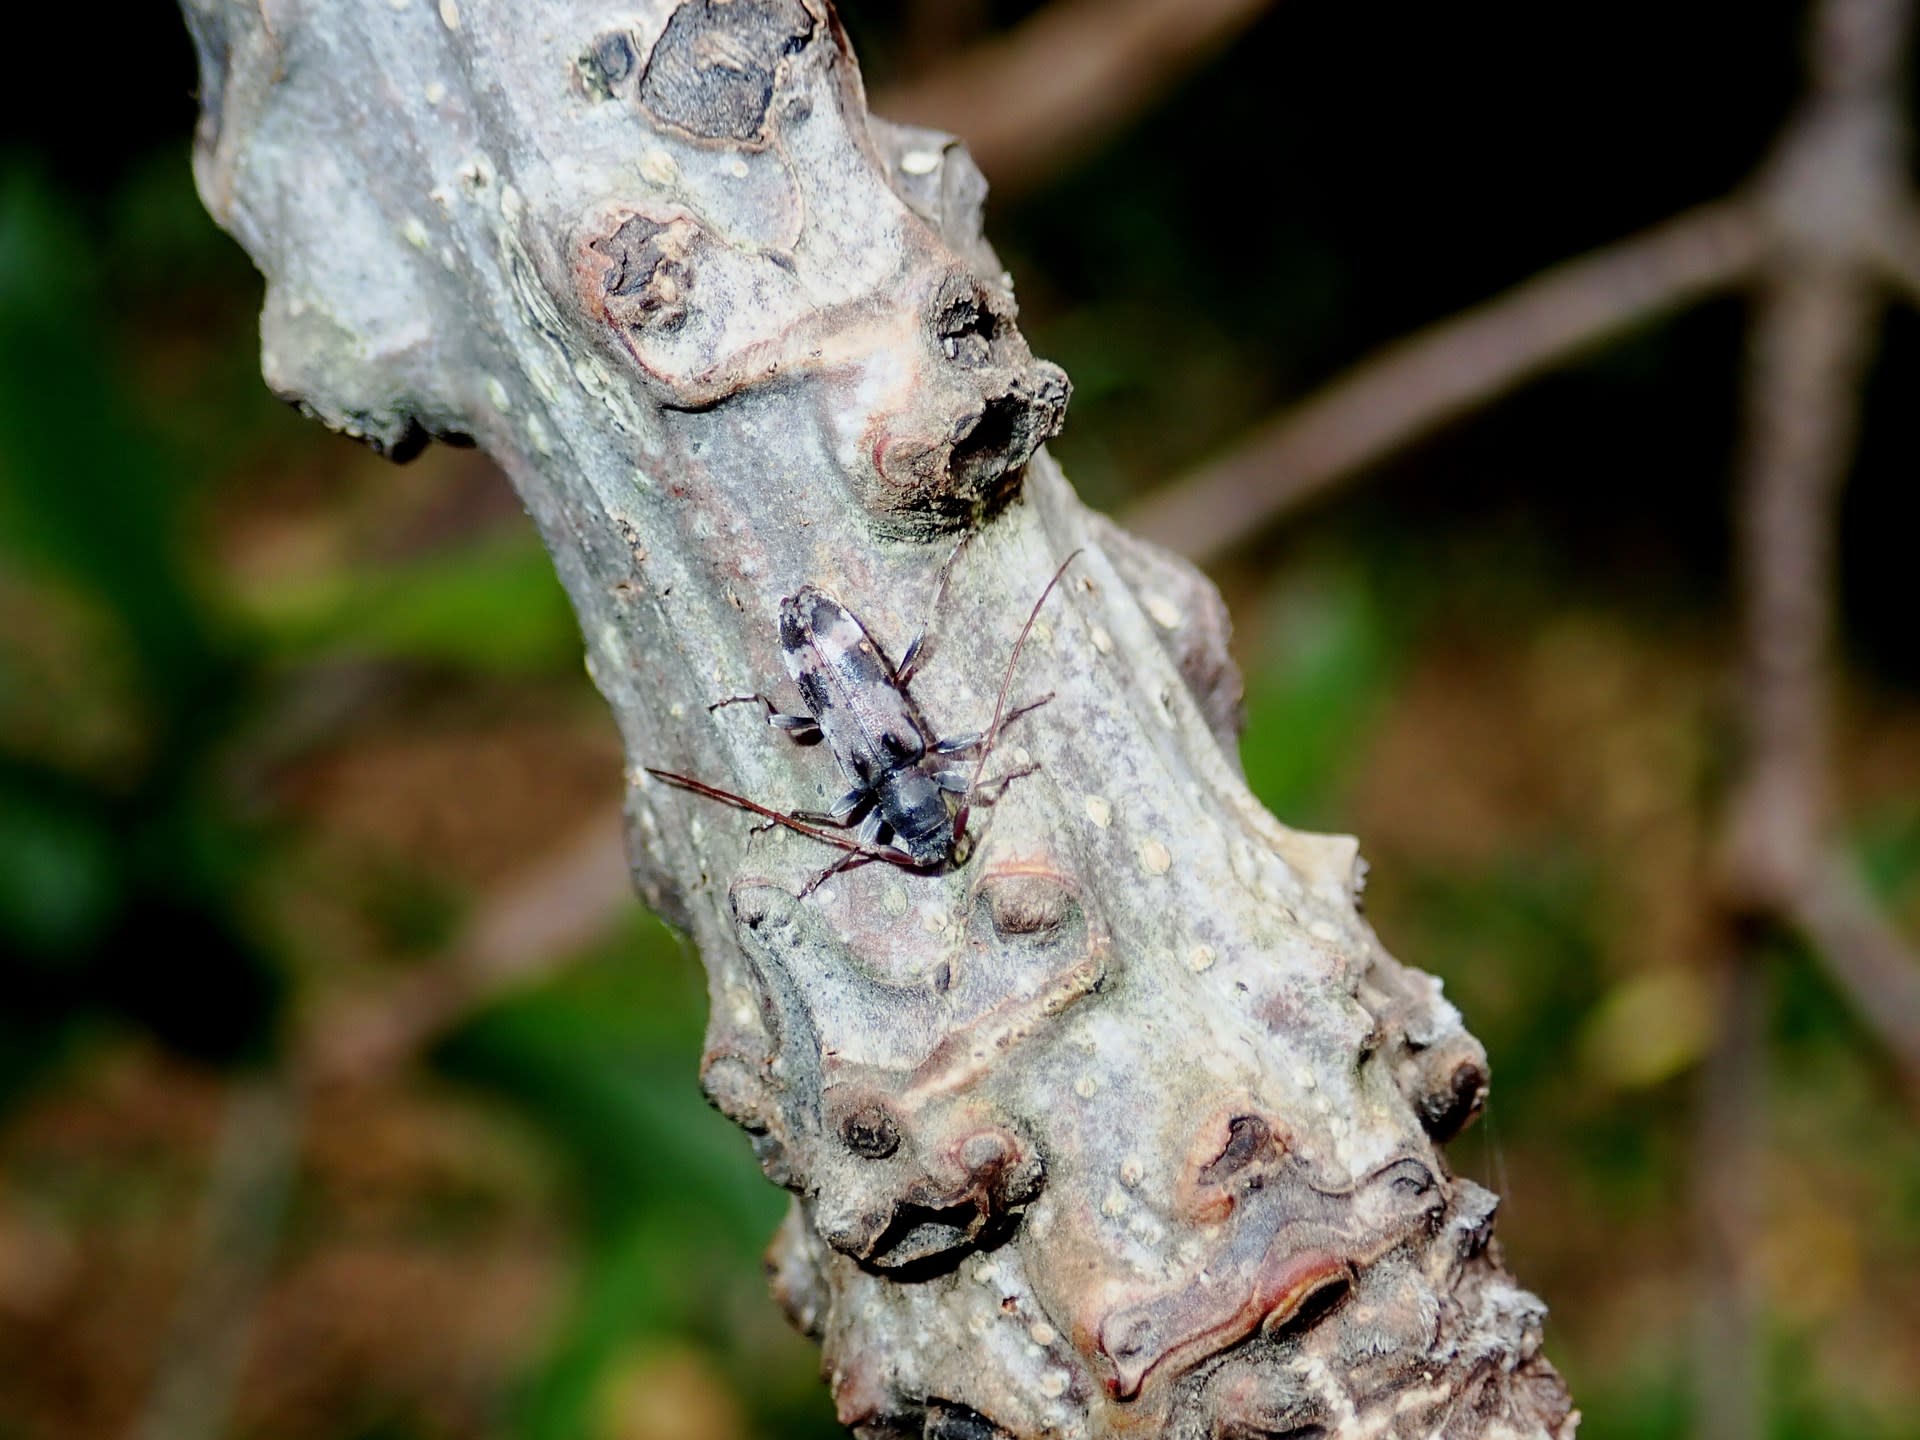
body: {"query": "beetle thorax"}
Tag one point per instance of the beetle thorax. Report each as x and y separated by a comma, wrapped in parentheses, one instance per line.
(917, 812)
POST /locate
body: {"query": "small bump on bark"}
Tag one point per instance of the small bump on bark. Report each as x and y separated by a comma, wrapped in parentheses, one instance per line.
(604, 65)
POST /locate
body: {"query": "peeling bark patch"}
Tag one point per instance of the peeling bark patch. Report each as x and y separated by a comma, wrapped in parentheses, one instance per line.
(981, 455)
(1248, 1138)
(713, 69)
(1013, 421)
(957, 452)
(965, 328)
(647, 281)
(1291, 1252)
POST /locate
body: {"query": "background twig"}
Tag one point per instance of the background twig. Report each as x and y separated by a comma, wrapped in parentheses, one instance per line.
(238, 1231)
(1030, 102)
(554, 909)
(1419, 384)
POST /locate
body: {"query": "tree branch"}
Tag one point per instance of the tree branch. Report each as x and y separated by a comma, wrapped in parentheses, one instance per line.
(1834, 172)
(1417, 385)
(205, 1347)
(1838, 174)
(1729, 1179)
(1896, 250)
(1874, 967)
(1120, 1120)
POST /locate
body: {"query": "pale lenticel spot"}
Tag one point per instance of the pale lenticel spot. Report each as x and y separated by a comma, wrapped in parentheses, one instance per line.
(1164, 612)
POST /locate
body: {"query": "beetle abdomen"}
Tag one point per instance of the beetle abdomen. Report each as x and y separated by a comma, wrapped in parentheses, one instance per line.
(872, 726)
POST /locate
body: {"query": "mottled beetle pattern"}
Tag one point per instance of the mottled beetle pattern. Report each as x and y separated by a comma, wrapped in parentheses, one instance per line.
(908, 802)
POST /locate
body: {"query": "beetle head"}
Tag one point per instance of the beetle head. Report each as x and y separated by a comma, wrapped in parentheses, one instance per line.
(916, 811)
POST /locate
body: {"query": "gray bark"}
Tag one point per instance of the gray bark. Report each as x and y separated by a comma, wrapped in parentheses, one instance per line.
(1126, 1123)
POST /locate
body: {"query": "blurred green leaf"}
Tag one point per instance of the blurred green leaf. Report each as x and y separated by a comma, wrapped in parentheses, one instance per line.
(603, 1061)
(85, 490)
(1652, 1404)
(1324, 670)
(59, 873)
(1514, 943)
(1887, 846)
(1649, 1028)
(494, 607)
(126, 889)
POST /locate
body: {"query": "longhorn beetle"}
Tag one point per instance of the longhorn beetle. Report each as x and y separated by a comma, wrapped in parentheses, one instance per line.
(899, 808)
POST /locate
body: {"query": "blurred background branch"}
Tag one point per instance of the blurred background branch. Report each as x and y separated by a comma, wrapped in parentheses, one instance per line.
(1411, 389)
(558, 907)
(231, 1261)
(1840, 169)
(1030, 102)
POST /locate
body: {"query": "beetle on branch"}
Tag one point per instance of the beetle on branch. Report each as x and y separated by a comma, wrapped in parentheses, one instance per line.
(898, 807)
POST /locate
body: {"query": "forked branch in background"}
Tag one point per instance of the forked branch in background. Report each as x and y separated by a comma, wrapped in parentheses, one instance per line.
(1828, 226)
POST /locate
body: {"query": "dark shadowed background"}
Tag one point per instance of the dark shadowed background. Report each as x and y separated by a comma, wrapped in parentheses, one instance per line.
(339, 1100)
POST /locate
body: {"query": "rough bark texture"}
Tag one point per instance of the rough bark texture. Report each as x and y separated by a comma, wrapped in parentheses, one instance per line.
(1125, 1124)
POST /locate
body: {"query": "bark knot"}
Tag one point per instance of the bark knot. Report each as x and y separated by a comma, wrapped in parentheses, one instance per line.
(713, 70)
(649, 271)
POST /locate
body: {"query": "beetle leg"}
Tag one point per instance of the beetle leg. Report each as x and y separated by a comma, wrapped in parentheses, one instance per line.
(1026, 709)
(843, 810)
(753, 699)
(960, 744)
(868, 833)
(953, 780)
(803, 729)
(781, 818)
(852, 860)
(1000, 782)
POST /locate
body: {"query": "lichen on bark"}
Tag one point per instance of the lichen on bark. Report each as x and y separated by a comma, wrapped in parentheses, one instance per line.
(1124, 1124)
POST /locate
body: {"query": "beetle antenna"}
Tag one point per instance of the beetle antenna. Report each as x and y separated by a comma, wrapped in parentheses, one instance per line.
(917, 651)
(740, 802)
(992, 732)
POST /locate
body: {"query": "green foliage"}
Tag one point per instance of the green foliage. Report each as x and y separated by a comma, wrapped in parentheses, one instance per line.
(493, 607)
(89, 496)
(1326, 665)
(126, 892)
(603, 1062)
